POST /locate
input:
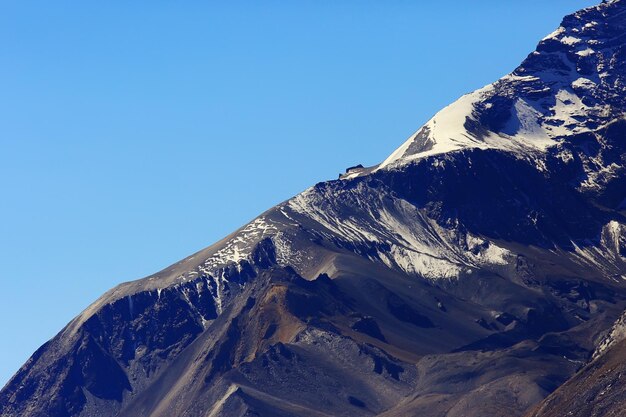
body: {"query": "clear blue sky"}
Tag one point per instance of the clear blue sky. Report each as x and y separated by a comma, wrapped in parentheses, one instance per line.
(135, 133)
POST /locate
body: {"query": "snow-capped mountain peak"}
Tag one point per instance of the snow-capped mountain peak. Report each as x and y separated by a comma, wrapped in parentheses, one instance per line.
(572, 83)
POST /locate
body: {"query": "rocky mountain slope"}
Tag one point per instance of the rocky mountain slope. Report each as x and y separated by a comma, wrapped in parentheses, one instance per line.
(598, 389)
(471, 273)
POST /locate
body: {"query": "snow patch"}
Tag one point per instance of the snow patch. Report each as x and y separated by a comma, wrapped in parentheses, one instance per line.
(583, 83)
(239, 247)
(555, 34)
(586, 52)
(446, 131)
(529, 128)
(570, 40)
(615, 335)
(404, 237)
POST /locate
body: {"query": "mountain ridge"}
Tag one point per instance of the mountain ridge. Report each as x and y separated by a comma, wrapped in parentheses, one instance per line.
(473, 281)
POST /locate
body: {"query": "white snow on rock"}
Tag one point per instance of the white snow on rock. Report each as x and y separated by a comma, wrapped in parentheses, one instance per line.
(560, 30)
(446, 131)
(404, 236)
(536, 122)
(570, 40)
(529, 130)
(240, 246)
(614, 336)
(586, 52)
(567, 109)
(583, 83)
(607, 256)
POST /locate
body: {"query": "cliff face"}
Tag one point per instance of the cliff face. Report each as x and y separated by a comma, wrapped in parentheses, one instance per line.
(471, 273)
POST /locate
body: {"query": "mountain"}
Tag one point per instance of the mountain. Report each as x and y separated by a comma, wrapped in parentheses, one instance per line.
(474, 272)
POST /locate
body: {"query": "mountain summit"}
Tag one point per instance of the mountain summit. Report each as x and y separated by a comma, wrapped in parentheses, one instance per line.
(476, 270)
(573, 83)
